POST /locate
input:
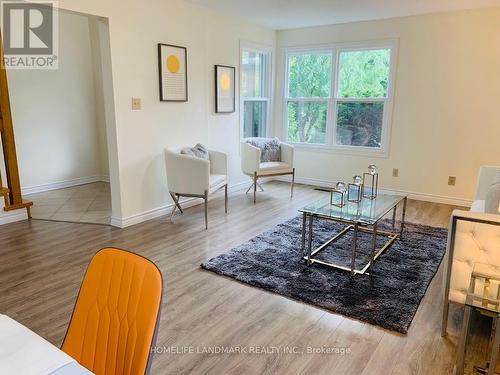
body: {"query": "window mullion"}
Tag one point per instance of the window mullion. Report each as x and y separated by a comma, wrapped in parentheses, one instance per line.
(305, 100)
(361, 100)
(256, 99)
(332, 123)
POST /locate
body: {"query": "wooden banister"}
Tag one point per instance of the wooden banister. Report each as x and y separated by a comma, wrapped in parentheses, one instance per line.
(15, 199)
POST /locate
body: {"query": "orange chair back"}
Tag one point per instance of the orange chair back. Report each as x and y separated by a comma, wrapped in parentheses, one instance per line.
(116, 315)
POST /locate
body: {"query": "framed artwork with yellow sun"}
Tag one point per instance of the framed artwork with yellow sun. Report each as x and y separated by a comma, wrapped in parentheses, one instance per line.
(224, 89)
(172, 66)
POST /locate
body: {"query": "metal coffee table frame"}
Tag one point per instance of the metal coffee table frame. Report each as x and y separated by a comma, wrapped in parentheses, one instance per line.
(356, 227)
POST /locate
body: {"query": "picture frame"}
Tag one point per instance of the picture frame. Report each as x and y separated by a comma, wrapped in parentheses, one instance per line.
(225, 92)
(173, 74)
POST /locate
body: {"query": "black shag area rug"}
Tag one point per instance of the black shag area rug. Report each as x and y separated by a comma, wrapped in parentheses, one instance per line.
(388, 298)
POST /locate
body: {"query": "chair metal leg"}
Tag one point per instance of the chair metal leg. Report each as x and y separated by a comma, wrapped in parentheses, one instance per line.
(176, 205)
(447, 275)
(462, 342)
(172, 213)
(255, 187)
(250, 187)
(444, 324)
(175, 197)
(225, 198)
(293, 182)
(495, 347)
(206, 209)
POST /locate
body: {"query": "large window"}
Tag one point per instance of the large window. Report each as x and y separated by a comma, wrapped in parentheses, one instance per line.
(255, 91)
(340, 97)
(309, 88)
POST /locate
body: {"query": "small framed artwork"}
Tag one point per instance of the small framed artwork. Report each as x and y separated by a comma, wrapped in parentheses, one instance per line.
(224, 89)
(172, 65)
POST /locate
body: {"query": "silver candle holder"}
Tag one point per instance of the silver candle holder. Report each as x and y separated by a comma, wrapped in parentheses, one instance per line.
(339, 193)
(357, 186)
(372, 176)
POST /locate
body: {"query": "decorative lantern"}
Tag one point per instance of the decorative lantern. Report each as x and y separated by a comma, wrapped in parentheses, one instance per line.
(339, 193)
(355, 190)
(370, 178)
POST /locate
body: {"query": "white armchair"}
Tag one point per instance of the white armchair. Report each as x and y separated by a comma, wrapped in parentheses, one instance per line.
(189, 176)
(253, 166)
(473, 237)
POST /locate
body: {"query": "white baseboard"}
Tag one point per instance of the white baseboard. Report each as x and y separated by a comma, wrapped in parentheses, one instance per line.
(63, 184)
(190, 202)
(411, 194)
(7, 217)
(165, 210)
(434, 198)
(152, 214)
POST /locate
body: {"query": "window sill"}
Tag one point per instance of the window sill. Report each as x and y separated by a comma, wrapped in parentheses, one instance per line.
(354, 151)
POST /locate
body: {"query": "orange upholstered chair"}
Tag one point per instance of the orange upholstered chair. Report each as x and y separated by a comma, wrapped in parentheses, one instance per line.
(116, 315)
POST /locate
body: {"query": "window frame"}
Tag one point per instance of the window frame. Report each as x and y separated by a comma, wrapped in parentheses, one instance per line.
(333, 100)
(266, 50)
(319, 99)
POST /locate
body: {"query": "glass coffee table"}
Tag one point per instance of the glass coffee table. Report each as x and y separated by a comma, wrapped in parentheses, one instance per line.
(358, 217)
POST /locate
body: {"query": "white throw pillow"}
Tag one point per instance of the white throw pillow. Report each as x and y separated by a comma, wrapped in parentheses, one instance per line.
(492, 203)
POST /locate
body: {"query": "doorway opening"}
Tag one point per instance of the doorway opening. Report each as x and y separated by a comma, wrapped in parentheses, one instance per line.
(62, 120)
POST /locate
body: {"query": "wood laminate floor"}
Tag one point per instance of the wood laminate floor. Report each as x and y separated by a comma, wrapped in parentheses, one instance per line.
(42, 265)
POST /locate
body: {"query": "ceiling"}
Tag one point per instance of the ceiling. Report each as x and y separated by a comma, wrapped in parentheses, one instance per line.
(289, 14)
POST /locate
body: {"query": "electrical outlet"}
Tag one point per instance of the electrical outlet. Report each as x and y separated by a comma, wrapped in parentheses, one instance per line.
(395, 172)
(136, 104)
(452, 180)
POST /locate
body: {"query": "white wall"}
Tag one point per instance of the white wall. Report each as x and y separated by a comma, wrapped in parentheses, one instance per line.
(58, 124)
(438, 99)
(446, 111)
(99, 100)
(135, 29)
(224, 128)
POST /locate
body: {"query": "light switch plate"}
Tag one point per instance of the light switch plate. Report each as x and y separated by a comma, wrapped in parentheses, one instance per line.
(395, 172)
(452, 180)
(136, 104)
